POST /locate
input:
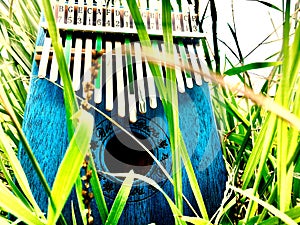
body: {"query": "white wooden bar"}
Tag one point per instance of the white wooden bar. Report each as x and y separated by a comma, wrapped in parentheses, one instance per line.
(108, 76)
(120, 80)
(189, 80)
(204, 68)
(54, 67)
(67, 52)
(194, 63)
(98, 85)
(87, 61)
(131, 95)
(77, 64)
(44, 58)
(99, 23)
(178, 73)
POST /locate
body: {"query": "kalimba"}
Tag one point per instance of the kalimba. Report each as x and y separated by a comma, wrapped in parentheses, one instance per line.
(125, 91)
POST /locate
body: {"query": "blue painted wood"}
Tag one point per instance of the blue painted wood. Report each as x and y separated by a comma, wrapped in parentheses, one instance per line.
(45, 127)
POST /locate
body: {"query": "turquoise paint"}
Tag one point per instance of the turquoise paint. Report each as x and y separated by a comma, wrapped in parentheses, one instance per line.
(45, 127)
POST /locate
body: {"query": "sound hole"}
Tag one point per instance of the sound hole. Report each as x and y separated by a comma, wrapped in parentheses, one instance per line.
(124, 154)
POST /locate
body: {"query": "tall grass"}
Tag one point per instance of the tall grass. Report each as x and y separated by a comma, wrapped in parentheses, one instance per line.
(17, 37)
(260, 144)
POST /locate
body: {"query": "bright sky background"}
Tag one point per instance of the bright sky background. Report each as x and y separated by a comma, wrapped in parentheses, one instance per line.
(254, 22)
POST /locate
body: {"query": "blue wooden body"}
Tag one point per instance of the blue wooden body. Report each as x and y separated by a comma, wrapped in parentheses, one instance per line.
(45, 127)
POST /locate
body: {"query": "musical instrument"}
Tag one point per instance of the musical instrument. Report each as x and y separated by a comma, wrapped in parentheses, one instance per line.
(125, 91)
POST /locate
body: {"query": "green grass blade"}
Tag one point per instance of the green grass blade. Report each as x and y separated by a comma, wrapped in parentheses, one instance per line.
(148, 51)
(294, 63)
(251, 66)
(146, 44)
(99, 196)
(120, 200)
(267, 4)
(4, 221)
(261, 147)
(246, 139)
(234, 34)
(284, 175)
(73, 214)
(234, 111)
(171, 107)
(271, 199)
(294, 213)
(195, 220)
(70, 166)
(11, 204)
(284, 217)
(15, 163)
(30, 18)
(203, 40)
(78, 188)
(24, 61)
(214, 18)
(68, 92)
(12, 185)
(192, 178)
(69, 95)
(176, 212)
(15, 99)
(294, 68)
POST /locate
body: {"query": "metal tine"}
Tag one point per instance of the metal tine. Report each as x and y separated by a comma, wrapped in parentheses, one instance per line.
(149, 77)
(100, 61)
(203, 67)
(108, 76)
(186, 16)
(77, 64)
(87, 61)
(151, 86)
(78, 48)
(194, 63)
(54, 66)
(140, 78)
(178, 72)
(120, 80)
(44, 58)
(130, 82)
(109, 65)
(88, 50)
(183, 56)
(68, 41)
